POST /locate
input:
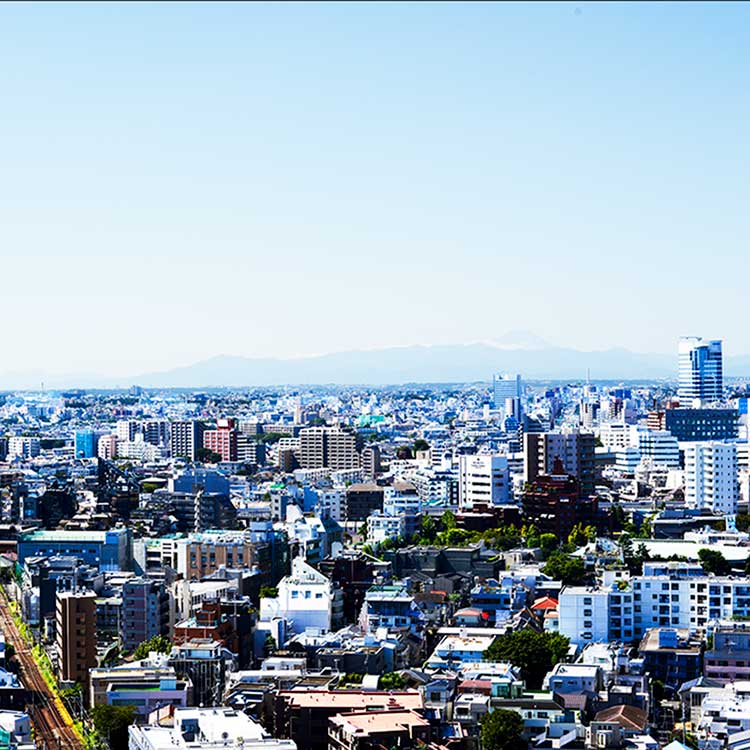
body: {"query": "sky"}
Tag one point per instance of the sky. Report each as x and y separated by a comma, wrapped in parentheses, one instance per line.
(179, 181)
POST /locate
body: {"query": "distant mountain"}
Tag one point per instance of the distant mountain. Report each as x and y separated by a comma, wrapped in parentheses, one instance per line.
(516, 352)
(444, 363)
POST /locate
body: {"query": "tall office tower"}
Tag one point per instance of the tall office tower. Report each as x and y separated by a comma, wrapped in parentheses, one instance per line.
(507, 394)
(145, 611)
(711, 476)
(186, 438)
(125, 430)
(75, 618)
(156, 432)
(222, 440)
(327, 447)
(574, 450)
(700, 370)
(483, 480)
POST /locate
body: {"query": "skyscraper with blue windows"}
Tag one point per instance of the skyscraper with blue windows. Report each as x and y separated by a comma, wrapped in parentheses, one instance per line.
(700, 370)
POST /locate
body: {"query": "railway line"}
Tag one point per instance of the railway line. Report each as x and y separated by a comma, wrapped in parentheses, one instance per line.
(51, 722)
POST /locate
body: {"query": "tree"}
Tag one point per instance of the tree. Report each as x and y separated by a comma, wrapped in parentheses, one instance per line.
(448, 520)
(269, 646)
(268, 592)
(392, 681)
(548, 543)
(714, 562)
(207, 456)
(535, 653)
(420, 445)
(564, 568)
(502, 730)
(159, 643)
(742, 521)
(112, 722)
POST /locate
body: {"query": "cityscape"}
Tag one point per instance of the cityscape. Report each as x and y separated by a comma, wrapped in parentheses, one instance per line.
(440, 566)
(375, 376)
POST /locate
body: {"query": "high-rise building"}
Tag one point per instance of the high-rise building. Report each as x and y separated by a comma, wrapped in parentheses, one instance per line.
(507, 394)
(327, 447)
(483, 480)
(711, 476)
(85, 443)
(106, 447)
(186, 438)
(125, 430)
(156, 431)
(75, 621)
(145, 611)
(700, 370)
(222, 440)
(576, 451)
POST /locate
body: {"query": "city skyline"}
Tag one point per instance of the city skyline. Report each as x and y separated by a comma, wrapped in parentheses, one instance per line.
(183, 182)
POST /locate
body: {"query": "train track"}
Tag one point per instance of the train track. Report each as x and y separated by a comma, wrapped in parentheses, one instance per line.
(52, 727)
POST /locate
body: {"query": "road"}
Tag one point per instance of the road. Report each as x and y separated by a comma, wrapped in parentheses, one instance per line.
(52, 730)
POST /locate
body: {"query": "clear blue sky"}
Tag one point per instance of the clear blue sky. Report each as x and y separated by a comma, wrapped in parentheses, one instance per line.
(180, 181)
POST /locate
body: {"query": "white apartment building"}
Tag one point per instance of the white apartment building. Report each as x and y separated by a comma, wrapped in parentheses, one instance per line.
(615, 435)
(332, 504)
(673, 595)
(125, 429)
(589, 614)
(23, 447)
(106, 447)
(712, 476)
(396, 503)
(381, 526)
(483, 479)
(305, 599)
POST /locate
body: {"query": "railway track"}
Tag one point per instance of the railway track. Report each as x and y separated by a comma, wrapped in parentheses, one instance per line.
(52, 727)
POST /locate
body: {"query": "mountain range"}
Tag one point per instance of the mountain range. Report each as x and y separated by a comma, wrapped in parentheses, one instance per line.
(515, 352)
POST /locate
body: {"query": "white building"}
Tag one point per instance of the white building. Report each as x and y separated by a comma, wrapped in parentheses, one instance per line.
(615, 435)
(382, 526)
(23, 447)
(106, 447)
(483, 479)
(304, 600)
(711, 476)
(207, 728)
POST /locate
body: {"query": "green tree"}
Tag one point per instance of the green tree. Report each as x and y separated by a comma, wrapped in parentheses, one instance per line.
(420, 445)
(548, 543)
(392, 681)
(564, 568)
(535, 653)
(742, 521)
(269, 646)
(112, 722)
(268, 592)
(159, 643)
(448, 520)
(502, 730)
(207, 456)
(714, 562)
